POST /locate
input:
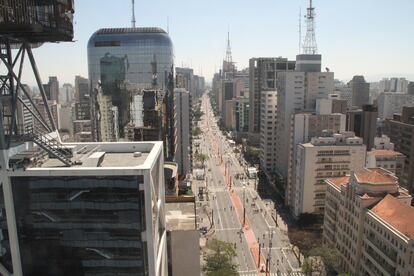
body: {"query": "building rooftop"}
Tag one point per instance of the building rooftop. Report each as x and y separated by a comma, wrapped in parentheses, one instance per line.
(130, 30)
(180, 216)
(397, 214)
(339, 181)
(92, 156)
(376, 176)
(385, 153)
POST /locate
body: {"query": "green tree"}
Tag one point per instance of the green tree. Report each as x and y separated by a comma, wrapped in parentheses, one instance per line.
(196, 131)
(200, 157)
(219, 259)
(329, 258)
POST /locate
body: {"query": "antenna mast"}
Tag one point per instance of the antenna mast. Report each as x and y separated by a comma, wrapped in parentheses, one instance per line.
(300, 29)
(309, 45)
(229, 58)
(133, 14)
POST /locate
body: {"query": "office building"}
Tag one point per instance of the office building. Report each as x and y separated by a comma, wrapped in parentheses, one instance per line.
(108, 128)
(268, 132)
(102, 214)
(52, 89)
(297, 92)
(242, 114)
(82, 131)
(263, 77)
(390, 103)
(410, 88)
(345, 92)
(368, 222)
(66, 93)
(369, 125)
(184, 78)
(122, 60)
(330, 105)
(322, 158)
(304, 127)
(230, 115)
(400, 129)
(183, 133)
(360, 91)
(364, 123)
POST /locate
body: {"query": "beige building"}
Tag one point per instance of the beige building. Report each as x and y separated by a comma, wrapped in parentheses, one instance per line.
(230, 117)
(108, 119)
(387, 159)
(369, 221)
(323, 158)
(304, 127)
(268, 110)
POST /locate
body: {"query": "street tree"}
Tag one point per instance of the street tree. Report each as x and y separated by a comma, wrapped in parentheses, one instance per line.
(219, 259)
(200, 157)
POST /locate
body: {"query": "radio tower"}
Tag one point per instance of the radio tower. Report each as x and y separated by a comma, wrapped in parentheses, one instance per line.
(309, 45)
(133, 14)
(229, 58)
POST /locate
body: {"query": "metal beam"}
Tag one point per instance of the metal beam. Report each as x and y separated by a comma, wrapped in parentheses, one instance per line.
(25, 92)
(40, 85)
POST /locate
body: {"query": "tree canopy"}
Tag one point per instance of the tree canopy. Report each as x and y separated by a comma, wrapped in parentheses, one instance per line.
(219, 259)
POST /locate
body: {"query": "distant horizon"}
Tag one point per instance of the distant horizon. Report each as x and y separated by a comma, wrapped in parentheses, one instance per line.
(364, 44)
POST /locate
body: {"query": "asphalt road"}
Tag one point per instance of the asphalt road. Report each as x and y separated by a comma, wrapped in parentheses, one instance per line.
(227, 224)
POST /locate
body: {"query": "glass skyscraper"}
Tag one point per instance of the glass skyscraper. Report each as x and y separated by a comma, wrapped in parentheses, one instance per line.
(124, 60)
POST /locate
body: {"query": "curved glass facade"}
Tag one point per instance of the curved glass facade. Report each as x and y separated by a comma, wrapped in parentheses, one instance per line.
(124, 60)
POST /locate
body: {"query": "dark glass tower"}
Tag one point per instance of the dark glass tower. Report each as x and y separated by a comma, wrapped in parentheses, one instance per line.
(124, 60)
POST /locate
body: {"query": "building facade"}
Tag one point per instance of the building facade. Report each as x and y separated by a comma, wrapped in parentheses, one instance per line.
(322, 158)
(268, 133)
(390, 103)
(360, 91)
(263, 77)
(129, 58)
(297, 92)
(368, 221)
(183, 133)
(102, 214)
(305, 126)
(388, 159)
(400, 129)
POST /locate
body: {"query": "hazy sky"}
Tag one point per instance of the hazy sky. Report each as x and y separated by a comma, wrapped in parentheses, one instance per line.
(369, 37)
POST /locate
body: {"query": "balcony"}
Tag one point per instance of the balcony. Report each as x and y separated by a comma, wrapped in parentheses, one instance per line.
(389, 255)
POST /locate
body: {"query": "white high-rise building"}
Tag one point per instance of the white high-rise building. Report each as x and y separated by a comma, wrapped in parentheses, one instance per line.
(393, 85)
(182, 126)
(390, 103)
(297, 92)
(323, 158)
(268, 113)
(369, 222)
(306, 126)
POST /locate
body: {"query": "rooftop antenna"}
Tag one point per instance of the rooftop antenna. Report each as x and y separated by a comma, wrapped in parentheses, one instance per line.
(133, 14)
(309, 45)
(168, 25)
(300, 29)
(229, 58)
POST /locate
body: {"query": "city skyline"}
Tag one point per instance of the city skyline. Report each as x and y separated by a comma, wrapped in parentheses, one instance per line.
(202, 44)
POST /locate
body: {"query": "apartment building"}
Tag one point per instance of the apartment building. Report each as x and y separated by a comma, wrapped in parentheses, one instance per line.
(305, 126)
(368, 221)
(390, 103)
(268, 110)
(388, 159)
(322, 158)
(297, 92)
